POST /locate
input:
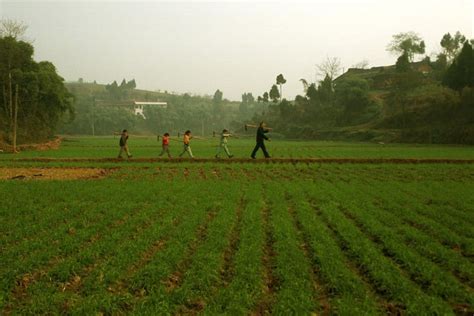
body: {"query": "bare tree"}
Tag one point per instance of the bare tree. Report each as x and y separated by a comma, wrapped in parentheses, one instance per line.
(331, 67)
(12, 28)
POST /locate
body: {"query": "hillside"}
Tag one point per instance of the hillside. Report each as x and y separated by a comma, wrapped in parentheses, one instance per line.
(104, 109)
(417, 108)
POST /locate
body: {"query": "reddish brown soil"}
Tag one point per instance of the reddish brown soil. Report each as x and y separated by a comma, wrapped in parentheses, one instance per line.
(52, 173)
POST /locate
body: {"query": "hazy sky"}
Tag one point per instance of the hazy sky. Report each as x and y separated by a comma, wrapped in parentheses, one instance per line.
(198, 47)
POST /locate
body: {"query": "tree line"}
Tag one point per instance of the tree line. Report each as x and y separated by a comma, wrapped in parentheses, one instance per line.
(425, 101)
(33, 96)
(422, 101)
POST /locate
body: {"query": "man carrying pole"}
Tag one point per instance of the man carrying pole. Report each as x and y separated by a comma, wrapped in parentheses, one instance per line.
(261, 137)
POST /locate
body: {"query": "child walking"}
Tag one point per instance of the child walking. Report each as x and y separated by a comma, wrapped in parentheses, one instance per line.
(223, 144)
(165, 145)
(123, 144)
(186, 142)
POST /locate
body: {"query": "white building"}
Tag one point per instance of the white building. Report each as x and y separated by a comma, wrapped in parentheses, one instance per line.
(139, 106)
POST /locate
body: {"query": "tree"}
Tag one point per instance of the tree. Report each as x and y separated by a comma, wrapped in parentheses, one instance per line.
(305, 84)
(33, 94)
(353, 95)
(403, 63)
(312, 93)
(217, 97)
(217, 103)
(460, 73)
(131, 84)
(408, 43)
(404, 83)
(12, 28)
(286, 110)
(113, 90)
(248, 98)
(15, 57)
(280, 80)
(452, 44)
(274, 94)
(330, 67)
(326, 90)
(266, 97)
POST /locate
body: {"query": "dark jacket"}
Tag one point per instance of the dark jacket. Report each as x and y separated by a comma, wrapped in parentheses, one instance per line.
(261, 134)
(123, 140)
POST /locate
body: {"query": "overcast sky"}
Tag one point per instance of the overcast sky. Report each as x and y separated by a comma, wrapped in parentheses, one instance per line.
(198, 47)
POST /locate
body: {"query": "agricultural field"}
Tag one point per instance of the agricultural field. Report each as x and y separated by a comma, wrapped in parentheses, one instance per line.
(85, 236)
(149, 147)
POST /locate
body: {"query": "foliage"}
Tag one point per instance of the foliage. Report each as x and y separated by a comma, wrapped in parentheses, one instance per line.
(274, 94)
(452, 44)
(280, 80)
(218, 238)
(403, 63)
(460, 73)
(353, 96)
(42, 97)
(409, 43)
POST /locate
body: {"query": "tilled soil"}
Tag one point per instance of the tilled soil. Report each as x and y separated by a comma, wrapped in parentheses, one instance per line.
(52, 173)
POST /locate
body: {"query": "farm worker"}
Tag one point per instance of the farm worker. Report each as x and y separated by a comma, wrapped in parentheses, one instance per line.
(261, 137)
(223, 144)
(123, 144)
(186, 142)
(165, 145)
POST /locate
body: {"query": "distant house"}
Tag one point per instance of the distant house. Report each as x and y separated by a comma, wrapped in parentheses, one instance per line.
(137, 107)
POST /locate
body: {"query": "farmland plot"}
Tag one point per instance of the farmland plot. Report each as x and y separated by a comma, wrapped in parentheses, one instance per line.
(241, 238)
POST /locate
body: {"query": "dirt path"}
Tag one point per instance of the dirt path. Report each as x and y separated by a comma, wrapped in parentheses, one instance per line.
(52, 173)
(267, 161)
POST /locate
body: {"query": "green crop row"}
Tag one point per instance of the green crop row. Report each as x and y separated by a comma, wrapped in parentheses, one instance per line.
(386, 276)
(347, 291)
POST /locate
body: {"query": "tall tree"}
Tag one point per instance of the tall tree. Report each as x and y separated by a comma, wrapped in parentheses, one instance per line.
(460, 73)
(217, 103)
(280, 80)
(274, 94)
(326, 90)
(452, 44)
(330, 67)
(34, 95)
(408, 43)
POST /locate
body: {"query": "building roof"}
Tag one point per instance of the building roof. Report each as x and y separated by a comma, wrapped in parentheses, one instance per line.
(149, 103)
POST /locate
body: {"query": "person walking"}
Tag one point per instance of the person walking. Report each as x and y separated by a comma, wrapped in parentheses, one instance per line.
(223, 144)
(123, 144)
(165, 142)
(186, 144)
(261, 137)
